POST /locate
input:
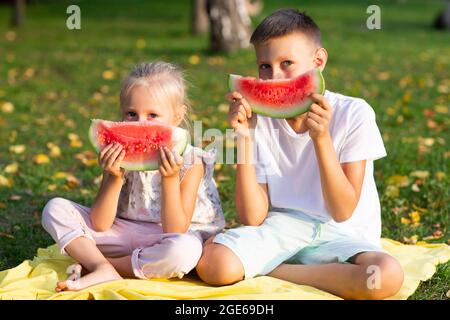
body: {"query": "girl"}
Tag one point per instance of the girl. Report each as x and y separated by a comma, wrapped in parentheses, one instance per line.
(144, 224)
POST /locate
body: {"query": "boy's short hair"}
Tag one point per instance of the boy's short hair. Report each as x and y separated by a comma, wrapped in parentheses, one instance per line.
(283, 22)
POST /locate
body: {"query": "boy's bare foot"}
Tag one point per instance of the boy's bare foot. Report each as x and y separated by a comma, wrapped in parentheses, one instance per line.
(103, 273)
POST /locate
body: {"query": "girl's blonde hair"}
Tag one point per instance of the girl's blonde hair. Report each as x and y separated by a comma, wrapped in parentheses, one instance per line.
(167, 82)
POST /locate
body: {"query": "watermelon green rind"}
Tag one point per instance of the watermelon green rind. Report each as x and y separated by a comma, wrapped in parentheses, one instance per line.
(285, 112)
(179, 135)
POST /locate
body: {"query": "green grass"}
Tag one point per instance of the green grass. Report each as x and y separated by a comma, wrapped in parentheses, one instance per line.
(53, 77)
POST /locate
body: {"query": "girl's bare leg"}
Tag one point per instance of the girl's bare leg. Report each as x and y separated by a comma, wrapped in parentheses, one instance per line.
(89, 256)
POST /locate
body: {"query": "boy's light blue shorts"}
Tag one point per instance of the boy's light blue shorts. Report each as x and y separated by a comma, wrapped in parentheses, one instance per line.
(291, 237)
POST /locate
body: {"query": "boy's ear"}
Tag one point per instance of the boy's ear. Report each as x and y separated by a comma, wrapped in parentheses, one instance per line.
(320, 58)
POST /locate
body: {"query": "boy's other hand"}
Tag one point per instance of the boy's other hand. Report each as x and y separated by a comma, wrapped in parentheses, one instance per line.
(318, 117)
(240, 116)
(110, 159)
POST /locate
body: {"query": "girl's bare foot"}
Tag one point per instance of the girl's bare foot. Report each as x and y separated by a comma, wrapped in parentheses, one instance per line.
(103, 273)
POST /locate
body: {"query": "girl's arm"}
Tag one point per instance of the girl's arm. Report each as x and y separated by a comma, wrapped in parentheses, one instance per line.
(104, 209)
(178, 198)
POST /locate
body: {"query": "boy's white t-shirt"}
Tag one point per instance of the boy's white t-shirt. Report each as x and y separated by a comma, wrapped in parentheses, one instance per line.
(286, 162)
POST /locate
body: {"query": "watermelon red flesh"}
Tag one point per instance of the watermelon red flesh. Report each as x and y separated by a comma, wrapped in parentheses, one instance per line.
(140, 140)
(283, 98)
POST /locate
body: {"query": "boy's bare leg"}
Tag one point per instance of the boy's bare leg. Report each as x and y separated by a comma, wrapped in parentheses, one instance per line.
(349, 281)
(89, 256)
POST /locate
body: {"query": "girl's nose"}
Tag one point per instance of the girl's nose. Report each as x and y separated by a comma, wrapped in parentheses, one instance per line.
(277, 74)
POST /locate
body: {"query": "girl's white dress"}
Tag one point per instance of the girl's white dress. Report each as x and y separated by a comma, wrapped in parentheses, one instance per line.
(140, 197)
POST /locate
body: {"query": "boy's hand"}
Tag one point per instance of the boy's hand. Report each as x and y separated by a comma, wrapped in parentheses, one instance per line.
(110, 159)
(170, 163)
(318, 117)
(240, 115)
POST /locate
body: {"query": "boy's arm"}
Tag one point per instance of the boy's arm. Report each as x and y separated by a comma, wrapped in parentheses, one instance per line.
(251, 198)
(341, 183)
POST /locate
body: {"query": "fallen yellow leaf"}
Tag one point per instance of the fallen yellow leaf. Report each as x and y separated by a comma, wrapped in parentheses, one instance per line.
(421, 174)
(405, 221)
(73, 136)
(417, 208)
(11, 168)
(392, 191)
(441, 109)
(18, 148)
(60, 175)
(398, 181)
(41, 159)
(411, 240)
(55, 151)
(141, 44)
(415, 217)
(194, 59)
(432, 237)
(7, 107)
(72, 182)
(5, 182)
(108, 74)
(440, 175)
(10, 35)
(76, 143)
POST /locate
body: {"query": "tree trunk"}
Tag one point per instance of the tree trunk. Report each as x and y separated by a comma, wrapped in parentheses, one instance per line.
(442, 21)
(18, 13)
(230, 25)
(200, 20)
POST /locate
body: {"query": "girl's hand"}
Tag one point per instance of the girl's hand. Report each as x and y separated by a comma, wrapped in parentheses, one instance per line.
(319, 117)
(170, 163)
(240, 114)
(110, 159)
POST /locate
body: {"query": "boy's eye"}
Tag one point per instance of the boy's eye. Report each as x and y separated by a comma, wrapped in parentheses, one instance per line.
(264, 66)
(131, 114)
(152, 115)
(286, 63)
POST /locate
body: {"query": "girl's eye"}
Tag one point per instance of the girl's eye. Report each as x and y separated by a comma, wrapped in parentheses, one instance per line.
(286, 63)
(264, 66)
(131, 114)
(152, 115)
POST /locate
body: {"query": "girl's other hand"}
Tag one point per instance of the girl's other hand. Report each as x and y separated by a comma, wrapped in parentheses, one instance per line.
(170, 163)
(110, 159)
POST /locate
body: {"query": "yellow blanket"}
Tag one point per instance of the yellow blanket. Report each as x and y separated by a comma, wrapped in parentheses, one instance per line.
(36, 279)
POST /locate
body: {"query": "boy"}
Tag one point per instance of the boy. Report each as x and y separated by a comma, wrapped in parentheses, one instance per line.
(312, 215)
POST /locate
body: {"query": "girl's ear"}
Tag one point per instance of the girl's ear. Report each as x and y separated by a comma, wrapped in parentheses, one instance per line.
(320, 58)
(179, 115)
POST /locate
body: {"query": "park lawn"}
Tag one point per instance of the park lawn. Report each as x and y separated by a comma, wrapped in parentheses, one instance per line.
(57, 79)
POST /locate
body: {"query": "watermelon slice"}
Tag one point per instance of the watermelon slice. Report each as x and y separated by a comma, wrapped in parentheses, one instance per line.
(140, 139)
(285, 98)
